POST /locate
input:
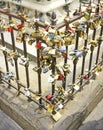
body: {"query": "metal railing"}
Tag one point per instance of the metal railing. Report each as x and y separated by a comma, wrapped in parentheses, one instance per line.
(47, 56)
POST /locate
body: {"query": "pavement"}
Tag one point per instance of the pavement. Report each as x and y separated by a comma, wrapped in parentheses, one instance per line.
(95, 120)
(6, 123)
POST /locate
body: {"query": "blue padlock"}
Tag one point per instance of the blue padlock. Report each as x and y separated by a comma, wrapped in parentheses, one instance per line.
(51, 35)
(62, 49)
(79, 54)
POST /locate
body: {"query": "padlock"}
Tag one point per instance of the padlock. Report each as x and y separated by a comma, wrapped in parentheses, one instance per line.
(92, 25)
(8, 76)
(66, 19)
(56, 116)
(47, 28)
(37, 34)
(80, 32)
(79, 54)
(6, 9)
(49, 97)
(30, 42)
(94, 43)
(19, 26)
(66, 68)
(71, 30)
(38, 45)
(50, 108)
(89, 9)
(75, 24)
(27, 92)
(19, 37)
(70, 92)
(10, 29)
(51, 79)
(86, 15)
(10, 59)
(60, 77)
(4, 27)
(98, 68)
(96, 21)
(85, 77)
(68, 41)
(24, 61)
(49, 43)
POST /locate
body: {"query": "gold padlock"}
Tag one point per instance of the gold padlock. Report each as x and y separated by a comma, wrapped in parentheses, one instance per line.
(49, 43)
(80, 33)
(66, 19)
(94, 43)
(37, 34)
(92, 25)
(19, 39)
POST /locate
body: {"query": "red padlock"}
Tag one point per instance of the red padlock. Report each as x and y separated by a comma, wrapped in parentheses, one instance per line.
(47, 28)
(38, 45)
(61, 76)
(85, 77)
(49, 97)
(64, 55)
(19, 26)
(10, 29)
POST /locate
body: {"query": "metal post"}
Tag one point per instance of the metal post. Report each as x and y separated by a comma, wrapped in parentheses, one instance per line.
(39, 74)
(84, 56)
(75, 60)
(14, 50)
(91, 54)
(27, 64)
(99, 45)
(65, 62)
(4, 52)
(53, 73)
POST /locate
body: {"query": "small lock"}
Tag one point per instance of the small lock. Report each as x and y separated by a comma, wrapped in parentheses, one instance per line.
(19, 38)
(27, 92)
(92, 25)
(94, 43)
(86, 15)
(66, 19)
(30, 42)
(24, 61)
(10, 59)
(66, 68)
(79, 54)
(8, 76)
(37, 34)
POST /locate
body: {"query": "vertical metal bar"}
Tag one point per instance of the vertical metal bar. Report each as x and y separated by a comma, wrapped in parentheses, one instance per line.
(39, 74)
(92, 49)
(27, 65)
(14, 49)
(75, 60)
(53, 73)
(99, 45)
(15, 59)
(5, 53)
(65, 62)
(84, 56)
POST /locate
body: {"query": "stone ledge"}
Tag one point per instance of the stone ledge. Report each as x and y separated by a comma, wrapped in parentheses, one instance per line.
(29, 117)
